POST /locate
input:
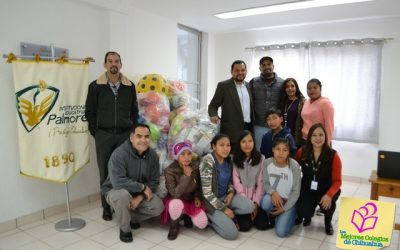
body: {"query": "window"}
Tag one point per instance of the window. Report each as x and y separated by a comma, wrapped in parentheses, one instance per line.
(189, 49)
(350, 74)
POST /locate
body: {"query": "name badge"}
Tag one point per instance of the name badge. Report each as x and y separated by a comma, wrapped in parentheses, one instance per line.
(314, 185)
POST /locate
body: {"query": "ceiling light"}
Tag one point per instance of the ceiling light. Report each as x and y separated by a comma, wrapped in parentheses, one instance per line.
(284, 7)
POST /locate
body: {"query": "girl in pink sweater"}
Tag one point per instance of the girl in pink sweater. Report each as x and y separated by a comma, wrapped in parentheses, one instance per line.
(317, 109)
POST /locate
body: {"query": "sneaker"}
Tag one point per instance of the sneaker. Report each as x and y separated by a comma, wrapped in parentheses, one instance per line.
(125, 237)
(134, 225)
(107, 215)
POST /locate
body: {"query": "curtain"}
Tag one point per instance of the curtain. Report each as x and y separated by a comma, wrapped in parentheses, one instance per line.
(350, 74)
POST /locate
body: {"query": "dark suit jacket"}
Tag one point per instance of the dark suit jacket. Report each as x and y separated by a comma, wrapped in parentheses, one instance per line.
(226, 97)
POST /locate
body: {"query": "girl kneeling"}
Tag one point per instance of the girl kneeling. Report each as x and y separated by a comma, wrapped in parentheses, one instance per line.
(216, 181)
(282, 187)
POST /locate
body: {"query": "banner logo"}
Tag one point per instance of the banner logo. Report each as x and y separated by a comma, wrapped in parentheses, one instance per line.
(364, 224)
(34, 103)
(363, 218)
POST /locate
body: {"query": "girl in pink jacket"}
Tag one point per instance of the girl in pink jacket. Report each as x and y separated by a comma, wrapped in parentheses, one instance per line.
(247, 180)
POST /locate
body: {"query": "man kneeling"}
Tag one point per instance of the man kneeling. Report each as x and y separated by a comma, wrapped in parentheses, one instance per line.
(133, 177)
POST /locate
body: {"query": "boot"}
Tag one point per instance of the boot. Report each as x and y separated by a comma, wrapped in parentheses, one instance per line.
(306, 222)
(328, 224)
(107, 215)
(173, 229)
(187, 221)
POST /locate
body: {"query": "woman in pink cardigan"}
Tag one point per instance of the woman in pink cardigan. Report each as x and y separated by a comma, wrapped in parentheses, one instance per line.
(317, 109)
(247, 180)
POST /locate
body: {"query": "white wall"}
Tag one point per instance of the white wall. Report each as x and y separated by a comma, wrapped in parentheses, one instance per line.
(358, 158)
(147, 43)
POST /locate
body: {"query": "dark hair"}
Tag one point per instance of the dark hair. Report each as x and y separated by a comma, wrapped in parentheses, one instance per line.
(137, 125)
(218, 137)
(307, 149)
(273, 111)
(266, 58)
(238, 62)
(284, 97)
(240, 157)
(111, 53)
(281, 140)
(316, 81)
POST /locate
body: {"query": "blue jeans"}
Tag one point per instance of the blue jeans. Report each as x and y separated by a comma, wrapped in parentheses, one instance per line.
(259, 132)
(283, 222)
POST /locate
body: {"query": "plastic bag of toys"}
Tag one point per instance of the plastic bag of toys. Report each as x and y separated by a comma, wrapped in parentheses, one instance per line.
(193, 126)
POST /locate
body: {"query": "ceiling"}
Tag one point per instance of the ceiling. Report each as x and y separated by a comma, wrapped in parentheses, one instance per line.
(198, 14)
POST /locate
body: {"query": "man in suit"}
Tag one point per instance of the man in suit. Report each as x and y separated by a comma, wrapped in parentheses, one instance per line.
(235, 99)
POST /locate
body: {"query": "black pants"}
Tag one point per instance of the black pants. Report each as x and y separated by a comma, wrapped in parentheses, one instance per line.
(308, 202)
(106, 143)
(261, 222)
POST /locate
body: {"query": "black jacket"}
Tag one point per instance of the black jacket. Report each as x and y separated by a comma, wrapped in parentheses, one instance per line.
(106, 111)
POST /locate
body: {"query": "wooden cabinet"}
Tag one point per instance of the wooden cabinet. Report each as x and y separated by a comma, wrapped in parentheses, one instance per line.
(384, 187)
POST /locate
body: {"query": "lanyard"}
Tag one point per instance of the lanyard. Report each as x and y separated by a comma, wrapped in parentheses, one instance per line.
(286, 112)
(315, 167)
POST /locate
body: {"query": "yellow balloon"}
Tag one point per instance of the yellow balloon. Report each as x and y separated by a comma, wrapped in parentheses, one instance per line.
(152, 82)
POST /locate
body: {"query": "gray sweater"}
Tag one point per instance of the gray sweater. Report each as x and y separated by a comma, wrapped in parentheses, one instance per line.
(127, 170)
(295, 191)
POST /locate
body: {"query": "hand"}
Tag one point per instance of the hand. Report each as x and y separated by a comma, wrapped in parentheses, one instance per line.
(277, 211)
(228, 199)
(197, 202)
(187, 170)
(135, 202)
(214, 119)
(148, 193)
(277, 200)
(255, 211)
(325, 202)
(228, 212)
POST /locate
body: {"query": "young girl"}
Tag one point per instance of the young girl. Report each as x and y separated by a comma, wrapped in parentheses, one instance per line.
(322, 177)
(216, 181)
(317, 109)
(247, 179)
(282, 187)
(182, 179)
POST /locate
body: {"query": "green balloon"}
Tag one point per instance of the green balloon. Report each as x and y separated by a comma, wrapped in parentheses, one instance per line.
(154, 132)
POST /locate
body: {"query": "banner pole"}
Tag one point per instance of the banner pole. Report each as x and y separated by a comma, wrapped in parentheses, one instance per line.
(69, 224)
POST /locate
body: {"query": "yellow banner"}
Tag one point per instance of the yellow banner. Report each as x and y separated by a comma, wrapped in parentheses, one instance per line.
(364, 224)
(52, 129)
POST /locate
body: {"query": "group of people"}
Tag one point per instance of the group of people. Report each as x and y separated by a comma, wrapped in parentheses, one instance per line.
(274, 177)
(294, 136)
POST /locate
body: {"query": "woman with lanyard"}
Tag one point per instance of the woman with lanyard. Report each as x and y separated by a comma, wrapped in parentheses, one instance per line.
(322, 178)
(291, 103)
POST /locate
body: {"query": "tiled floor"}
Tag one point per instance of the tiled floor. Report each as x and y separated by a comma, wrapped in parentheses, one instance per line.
(100, 234)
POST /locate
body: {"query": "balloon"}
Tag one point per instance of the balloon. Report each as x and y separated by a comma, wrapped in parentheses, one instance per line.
(152, 82)
(154, 132)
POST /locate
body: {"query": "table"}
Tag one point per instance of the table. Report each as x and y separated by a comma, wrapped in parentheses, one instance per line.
(384, 187)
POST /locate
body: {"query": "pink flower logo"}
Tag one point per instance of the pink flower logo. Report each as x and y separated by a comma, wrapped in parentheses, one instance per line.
(363, 218)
